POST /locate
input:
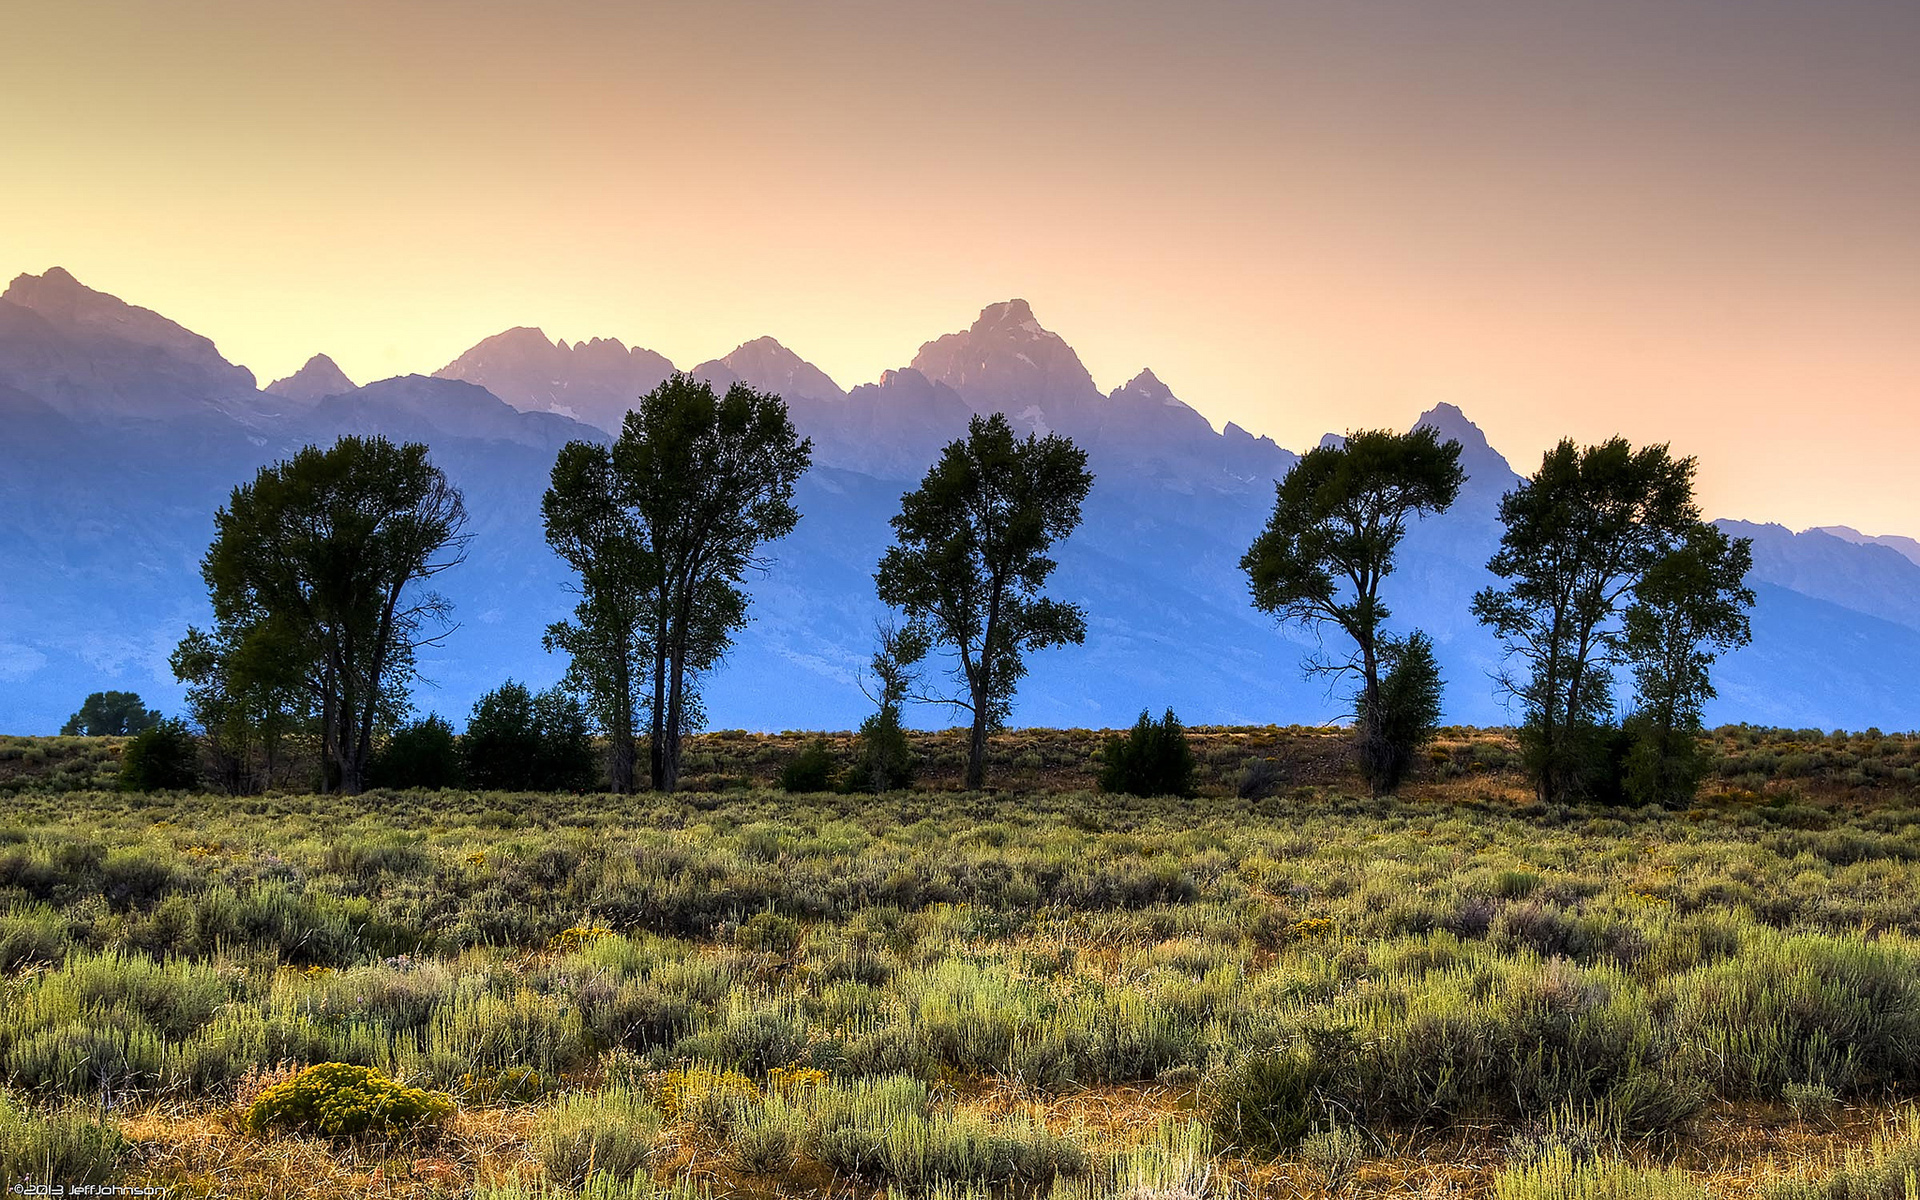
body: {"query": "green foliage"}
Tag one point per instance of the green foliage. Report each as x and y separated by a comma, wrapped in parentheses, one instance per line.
(1407, 713)
(706, 480)
(611, 1132)
(1338, 519)
(883, 758)
(315, 574)
(110, 714)
(163, 757)
(338, 1100)
(423, 754)
(1153, 759)
(65, 1147)
(971, 557)
(610, 641)
(517, 740)
(1581, 533)
(1265, 1103)
(1689, 607)
(812, 770)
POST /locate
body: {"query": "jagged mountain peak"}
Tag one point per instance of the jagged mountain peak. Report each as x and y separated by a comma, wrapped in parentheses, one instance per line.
(319, 378)
(92, 351)
(1006, 361)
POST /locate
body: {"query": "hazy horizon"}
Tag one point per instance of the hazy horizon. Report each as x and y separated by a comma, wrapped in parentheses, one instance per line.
(1689, 221)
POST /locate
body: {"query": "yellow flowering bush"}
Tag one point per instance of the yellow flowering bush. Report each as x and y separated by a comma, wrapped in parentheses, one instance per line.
(340, 1100)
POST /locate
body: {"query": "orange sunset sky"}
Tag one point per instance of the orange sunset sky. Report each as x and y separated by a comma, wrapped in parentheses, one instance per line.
(1675, 219)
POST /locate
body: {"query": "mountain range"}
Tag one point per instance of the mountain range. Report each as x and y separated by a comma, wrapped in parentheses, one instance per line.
(124, 432)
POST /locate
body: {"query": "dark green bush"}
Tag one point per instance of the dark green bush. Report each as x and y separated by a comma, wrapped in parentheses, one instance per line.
(1153, 759)
(883, 758)
(812, 770)
(421, 755)
(162, 757)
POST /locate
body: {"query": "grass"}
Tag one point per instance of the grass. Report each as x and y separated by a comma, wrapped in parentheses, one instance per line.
(1045, 991)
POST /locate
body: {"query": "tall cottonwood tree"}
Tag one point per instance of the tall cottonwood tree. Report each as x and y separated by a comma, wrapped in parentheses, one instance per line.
(1581, 534)
(317, 572)
(970, 561)
(610, 641)
(1338, 518)
(707, 480)
(1689, 608)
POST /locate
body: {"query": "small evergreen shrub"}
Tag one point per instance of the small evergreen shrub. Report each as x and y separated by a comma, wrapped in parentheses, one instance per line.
(811, 770)
(1408, 713)
(1153, 759)
(338, 1100)
(883, 758)
(162, 757)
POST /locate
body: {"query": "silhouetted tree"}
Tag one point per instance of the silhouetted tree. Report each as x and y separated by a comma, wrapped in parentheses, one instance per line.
(110, 714)
(707, 480)
(610, 641)
(248, 696)
(970, 560)
(1581, 533)
(1338, 517)
(423, 754)
(314, 572)
(1689, 608)
(516, 740)
(1408, 709)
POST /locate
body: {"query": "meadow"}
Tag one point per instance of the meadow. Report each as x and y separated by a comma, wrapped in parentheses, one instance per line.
(1277, 988)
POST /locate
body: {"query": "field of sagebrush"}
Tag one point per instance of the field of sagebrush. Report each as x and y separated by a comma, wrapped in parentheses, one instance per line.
(1276, 989)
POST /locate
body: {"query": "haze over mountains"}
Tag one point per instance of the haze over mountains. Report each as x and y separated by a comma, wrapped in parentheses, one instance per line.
(124, 431)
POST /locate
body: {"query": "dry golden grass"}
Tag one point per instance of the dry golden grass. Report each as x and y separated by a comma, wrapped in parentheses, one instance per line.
(1733, 1151)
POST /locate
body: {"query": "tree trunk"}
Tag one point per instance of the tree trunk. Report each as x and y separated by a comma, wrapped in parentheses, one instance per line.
(977, 743)
(657, 741)
(676, 692)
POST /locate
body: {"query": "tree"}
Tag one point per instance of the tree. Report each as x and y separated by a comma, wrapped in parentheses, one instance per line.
(162, 757)
(708, 480)
(519, 741)
(247, 699)
(315, 572)
(883, 758)
(1581, 533)
(1152, 759)
(970, 561)
(1690, 607)
(610, 640)
(1408, 707)
(1338, 518)
(421, 755)
(110, 714)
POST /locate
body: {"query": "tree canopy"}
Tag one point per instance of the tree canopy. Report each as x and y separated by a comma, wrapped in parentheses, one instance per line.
(110, 714)
(1581, 533)
(706, 481)
(1338, 518)
(315, 573)
(971, 557)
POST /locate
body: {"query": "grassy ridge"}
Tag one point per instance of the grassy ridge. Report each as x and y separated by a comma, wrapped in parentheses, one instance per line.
(1044, 992)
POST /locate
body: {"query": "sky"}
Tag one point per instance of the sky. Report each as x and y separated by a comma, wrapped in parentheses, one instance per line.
(1689, 221)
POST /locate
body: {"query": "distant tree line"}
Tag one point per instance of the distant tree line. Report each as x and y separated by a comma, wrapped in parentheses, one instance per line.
(321, 573)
